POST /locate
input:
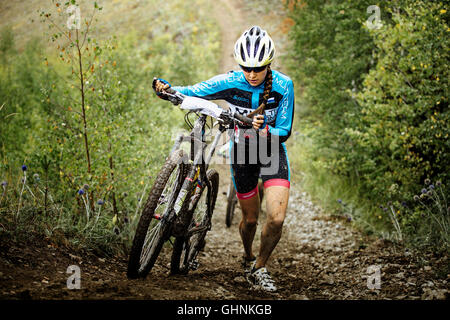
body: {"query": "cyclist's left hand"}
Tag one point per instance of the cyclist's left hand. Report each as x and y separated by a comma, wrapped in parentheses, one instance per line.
(258, 121)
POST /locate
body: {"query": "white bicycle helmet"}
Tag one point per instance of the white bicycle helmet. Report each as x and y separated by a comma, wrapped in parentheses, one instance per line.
(255, 48)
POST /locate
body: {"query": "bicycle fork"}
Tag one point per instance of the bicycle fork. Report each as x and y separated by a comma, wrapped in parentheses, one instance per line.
(197, 163)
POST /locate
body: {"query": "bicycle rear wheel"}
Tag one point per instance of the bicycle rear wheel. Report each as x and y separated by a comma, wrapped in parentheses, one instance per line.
(231, 204)
(154, 224)
(185, 250)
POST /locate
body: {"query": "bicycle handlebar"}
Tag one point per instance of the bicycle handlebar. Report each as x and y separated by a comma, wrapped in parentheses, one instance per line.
(177, 98)
(242, 118)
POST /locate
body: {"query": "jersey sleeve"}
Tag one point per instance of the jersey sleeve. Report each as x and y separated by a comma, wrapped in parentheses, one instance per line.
(212, 89)
(285, 114)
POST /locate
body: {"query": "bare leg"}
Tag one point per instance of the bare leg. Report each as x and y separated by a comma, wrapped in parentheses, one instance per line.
(247, 227)
(277, 198)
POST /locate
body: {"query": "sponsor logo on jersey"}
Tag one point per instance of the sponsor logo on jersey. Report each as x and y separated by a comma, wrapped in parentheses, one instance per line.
(240, 98)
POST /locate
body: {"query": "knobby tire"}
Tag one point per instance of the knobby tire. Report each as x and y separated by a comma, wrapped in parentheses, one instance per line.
(186, 249)
(174, 165)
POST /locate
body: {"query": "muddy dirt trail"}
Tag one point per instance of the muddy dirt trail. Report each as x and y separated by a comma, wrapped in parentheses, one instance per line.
(318, 257)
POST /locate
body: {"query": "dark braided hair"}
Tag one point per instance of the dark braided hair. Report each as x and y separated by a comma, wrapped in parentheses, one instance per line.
(267, 90)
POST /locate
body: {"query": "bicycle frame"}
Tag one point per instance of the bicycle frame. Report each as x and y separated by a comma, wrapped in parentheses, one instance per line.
(199, 167)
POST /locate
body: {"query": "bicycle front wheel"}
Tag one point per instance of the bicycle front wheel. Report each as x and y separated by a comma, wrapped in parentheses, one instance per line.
(185, 249)
(154, 224)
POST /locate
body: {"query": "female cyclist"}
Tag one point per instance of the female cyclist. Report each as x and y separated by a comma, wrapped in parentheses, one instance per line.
(266, 96)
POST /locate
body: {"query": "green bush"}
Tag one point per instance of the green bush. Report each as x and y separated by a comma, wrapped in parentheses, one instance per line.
(329, 57)
(402, 135)
(330, 54)
(129, 130)
(374, 105)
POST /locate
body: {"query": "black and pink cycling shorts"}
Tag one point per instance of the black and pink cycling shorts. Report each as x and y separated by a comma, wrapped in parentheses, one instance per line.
(245, 176)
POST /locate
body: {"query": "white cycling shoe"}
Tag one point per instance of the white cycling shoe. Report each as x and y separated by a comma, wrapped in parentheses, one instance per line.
(260, 279)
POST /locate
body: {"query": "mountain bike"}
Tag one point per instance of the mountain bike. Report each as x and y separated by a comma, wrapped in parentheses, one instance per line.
(177, 206)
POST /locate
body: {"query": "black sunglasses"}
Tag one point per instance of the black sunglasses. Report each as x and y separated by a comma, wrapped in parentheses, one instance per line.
(255, 69)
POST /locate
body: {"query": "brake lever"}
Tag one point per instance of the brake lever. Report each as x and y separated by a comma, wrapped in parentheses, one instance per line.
(231, 112)
(176, 98)
(234, 114)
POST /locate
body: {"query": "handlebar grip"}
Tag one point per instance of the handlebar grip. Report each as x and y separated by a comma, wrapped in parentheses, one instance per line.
(243, 119)
(170, 90)
(173, 96)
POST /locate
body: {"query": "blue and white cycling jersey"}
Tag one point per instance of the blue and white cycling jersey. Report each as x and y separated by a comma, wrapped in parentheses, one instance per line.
(234, 88)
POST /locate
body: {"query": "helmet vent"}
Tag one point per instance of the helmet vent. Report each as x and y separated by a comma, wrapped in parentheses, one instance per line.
(261, 55)
(247, 43)
(242, 53)
(256, 46)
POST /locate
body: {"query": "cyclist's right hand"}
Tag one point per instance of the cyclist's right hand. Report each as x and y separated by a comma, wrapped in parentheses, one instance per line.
(160, 85)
